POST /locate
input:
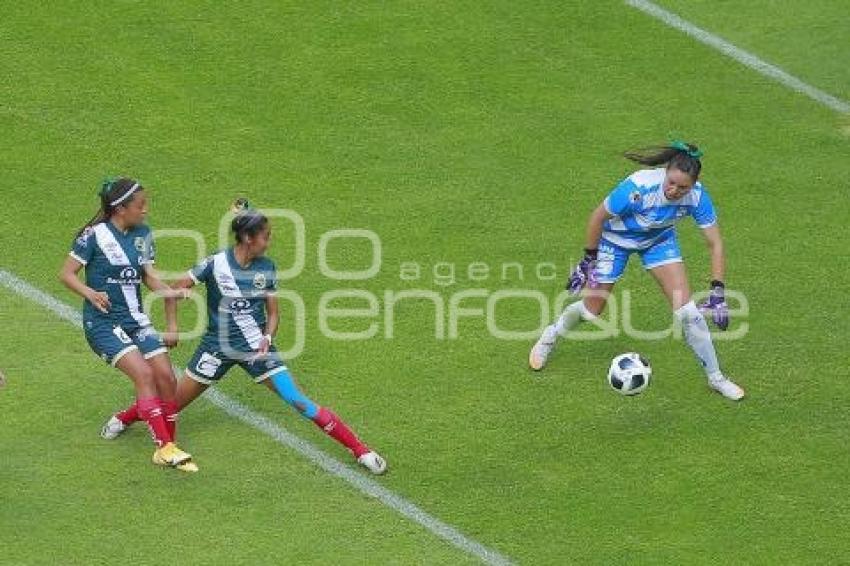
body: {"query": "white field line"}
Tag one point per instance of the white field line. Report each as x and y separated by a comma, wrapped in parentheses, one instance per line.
(363, 484)
(744, 57)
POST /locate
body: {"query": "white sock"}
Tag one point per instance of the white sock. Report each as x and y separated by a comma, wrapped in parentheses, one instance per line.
(572, 315)
(699, 339)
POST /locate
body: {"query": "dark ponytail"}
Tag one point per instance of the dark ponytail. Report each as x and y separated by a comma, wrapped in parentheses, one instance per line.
(112, 190)
(248, 221)
(683, 156)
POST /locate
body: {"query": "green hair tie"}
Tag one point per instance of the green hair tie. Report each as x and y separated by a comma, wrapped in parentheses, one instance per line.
(106, 185)
(682, 146)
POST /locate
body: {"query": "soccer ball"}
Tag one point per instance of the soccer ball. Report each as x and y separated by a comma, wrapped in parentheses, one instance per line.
(629, 373)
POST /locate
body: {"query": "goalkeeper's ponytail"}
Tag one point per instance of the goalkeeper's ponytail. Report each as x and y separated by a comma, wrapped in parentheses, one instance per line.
(681, 155)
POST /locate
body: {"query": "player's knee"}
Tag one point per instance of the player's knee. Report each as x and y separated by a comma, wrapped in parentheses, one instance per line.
(687, 312)
(164, 374)
(592, 308)
(144, 373)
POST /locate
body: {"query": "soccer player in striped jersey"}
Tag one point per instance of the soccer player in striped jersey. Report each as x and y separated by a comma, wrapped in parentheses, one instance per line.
(243, 318)
(116, 248)
(640, 216)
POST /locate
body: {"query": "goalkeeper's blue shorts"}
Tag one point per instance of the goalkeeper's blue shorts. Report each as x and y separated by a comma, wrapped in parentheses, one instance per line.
(612, 259)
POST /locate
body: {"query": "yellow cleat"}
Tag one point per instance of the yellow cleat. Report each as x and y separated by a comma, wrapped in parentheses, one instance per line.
(171, 455)
(189, 466)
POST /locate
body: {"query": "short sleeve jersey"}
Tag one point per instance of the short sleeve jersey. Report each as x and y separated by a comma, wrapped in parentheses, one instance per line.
(642, 215)
(236, 297)
(114, 262)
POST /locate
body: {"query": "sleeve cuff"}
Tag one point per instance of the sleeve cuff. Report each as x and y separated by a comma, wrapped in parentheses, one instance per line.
(78, 258)
(192, 277)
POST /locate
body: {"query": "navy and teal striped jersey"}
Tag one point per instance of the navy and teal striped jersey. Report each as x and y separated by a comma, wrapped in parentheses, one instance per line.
(236, 300)
(643, 215)
(114, 263)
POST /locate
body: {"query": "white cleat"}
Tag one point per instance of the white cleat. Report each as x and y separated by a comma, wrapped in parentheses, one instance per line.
(112, 429)
(373, 462)
(541, 350)
(726, 388)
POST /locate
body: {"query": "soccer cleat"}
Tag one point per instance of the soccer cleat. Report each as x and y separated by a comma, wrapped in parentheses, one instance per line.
(373, 462)
(726, 388)
(171, 455)
(189, 466)
(541, 350)
(113, 428)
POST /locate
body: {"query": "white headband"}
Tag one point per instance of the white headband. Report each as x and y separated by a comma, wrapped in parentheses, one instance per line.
(124, 197)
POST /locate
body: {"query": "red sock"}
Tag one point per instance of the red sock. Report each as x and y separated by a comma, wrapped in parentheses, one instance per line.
(170, 411)
(129, 415)
(150, 410)
(339, 431)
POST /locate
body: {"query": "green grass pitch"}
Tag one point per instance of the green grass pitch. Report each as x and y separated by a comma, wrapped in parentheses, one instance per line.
(459, 132)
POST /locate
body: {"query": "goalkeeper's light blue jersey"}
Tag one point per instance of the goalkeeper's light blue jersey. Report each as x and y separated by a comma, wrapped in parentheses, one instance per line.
(114, 262)
(644, 216)
(236, 297)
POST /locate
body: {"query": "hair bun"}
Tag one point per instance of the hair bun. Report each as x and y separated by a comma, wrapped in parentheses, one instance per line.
(240, 205)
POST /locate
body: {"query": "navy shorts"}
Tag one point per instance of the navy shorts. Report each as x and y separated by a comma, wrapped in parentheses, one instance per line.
(208, 365)
(111, 342)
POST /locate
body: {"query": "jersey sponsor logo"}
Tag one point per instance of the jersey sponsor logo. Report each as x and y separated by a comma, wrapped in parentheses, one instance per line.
(207, 365)
(259, 281)
(110, 246)
(240, 307)
(129, 273)
(114, 252)
(226, 283)
(127, 276)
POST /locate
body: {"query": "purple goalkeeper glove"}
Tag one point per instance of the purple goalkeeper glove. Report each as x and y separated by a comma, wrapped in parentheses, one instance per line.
(716, 303)
(583, 273)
